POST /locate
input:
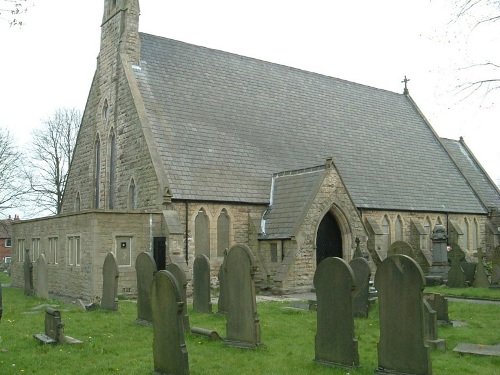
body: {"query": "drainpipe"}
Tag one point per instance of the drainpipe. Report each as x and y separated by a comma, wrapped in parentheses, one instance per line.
(151, 232)
(186, 204)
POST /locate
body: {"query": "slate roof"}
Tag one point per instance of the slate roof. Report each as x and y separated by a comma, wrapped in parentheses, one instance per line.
(291, 195)
(224, 124)
(482, 184)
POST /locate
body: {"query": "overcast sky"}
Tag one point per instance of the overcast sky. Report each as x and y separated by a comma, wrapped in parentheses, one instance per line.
(49, 62)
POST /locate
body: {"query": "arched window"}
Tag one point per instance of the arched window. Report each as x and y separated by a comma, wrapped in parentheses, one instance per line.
(97, 172)
(77, 202)
(112, 169)
(105, 110)
(222, 233)
(132, 195)
(399, 229)
(466, 235)
(428, 231)
(386, 233)
(475, 236)
(202, 234)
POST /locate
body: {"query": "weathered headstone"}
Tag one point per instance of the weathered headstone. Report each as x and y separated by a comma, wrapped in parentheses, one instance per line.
(181, 278)
(335, 343)
(495, 268)
(42, 288)
(169, 348)
(431, 329)
(469, 269)
(357, 251)
(438, 303)
(242, 321)
(145, 268)
(402, 347)
(440, 266)
(481, 278)
(361, 298)
(222, 302)
(401, 248)
(478, 349)
(110, 273)
(28, 274)
(456, 276)
(201, 284)
(54, 329)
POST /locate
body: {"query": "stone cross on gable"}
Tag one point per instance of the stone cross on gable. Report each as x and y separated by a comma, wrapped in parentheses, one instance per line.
(405, 81)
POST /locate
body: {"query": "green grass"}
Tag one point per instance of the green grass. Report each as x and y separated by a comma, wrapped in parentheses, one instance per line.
(113, 343)
(488, 293)
(4, 278)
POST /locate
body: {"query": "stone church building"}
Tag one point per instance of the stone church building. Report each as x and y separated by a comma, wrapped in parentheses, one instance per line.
(185, 150)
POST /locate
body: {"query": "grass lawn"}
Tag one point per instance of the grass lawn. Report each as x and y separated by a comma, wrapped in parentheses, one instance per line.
(113, 343)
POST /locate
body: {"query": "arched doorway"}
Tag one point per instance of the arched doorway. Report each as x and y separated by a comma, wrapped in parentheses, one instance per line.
(328, 239)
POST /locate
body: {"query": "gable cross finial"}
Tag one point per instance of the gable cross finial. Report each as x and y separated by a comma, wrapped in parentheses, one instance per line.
(405, 81)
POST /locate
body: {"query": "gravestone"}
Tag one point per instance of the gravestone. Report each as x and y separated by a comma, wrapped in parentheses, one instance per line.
(28, 274)
(469, 269)
(242, 321)
(145, 268)
(361, 298)
(54, 329)
(481, 277)
(169, 348)
(440, 265)
(222, 302)
(335, 343)
(402, 347)
(181, 278)
(201, 284)
(401, 248)
(439, 304)
(42, 288)
(456, 276)
(357, 251)
(495, 268)
(431, 329)
(110, 273)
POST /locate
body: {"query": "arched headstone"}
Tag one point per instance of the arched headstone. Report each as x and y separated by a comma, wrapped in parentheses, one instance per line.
(456, 275)
(181, 278)
(401, 248)
(169, 348)
(335, 343)
(222, 302)
(242, 321)
(402, 348)
(42, 288)
(201, 284)
(110, 273)
(145, 268)
(361, 298)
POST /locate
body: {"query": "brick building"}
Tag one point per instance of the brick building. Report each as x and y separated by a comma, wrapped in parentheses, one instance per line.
(185, 150)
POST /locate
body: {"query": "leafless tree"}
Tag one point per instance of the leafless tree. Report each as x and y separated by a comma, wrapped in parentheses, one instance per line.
(11, 10)
(480, 76)
(52, 150)
(12, 184)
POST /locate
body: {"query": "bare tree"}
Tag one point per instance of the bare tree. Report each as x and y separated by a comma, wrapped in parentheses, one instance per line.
(12, 173)
(11, 10)
(52, 150)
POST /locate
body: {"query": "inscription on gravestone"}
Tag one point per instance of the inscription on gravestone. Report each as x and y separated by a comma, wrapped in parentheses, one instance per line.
(110, 273)
(242, 321)
(180, 276)
(201, 284)
(402, 347)
(42, 290)
(335, 343)
(169, 348)
(145, 267)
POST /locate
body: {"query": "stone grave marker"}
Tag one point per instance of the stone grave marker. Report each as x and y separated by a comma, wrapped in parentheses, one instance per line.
(201, 284)
(110, 273)
(242, 320)
(181, 278)
(495, 269)
(431, 328)
(481, 278)
(469, 269)
(145, 268)
(335, 343)
(28, 274)
(169, 348)
(42, 288)
(402, 347)
(456, 276)
(478, 349)
(54, 329)
(401, 248)
(439, 304)
(440, 266)
(222, 302)
(361, 298)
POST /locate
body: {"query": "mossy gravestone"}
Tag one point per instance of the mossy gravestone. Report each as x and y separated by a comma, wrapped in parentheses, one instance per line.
(28, 274)
(402, 348)
(481, 277)
(169, 348)
(335, 343)
(201, 284)
(362, 272)
(242, 321)
(145, 268)
(181, 278)
(110, 273)
(456, 276)
(42, 288)
(222, 302)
